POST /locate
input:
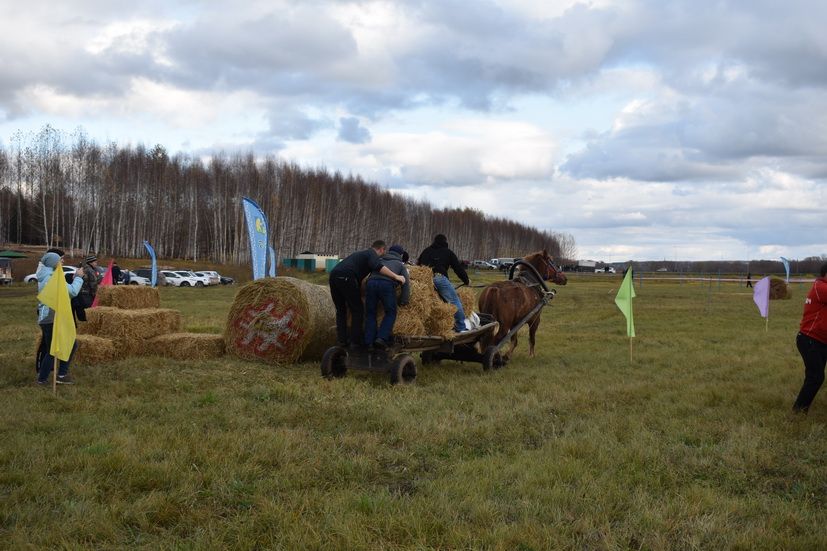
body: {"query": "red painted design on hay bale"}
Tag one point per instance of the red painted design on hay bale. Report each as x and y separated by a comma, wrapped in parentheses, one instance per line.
(267, 329)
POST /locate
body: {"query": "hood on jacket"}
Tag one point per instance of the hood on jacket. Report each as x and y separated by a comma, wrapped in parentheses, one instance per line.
(44, 271)
(440, 241)
(392, 255)
(50, 260)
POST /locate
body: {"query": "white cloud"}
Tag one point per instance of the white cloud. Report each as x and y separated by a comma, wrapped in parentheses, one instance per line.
(643, 128)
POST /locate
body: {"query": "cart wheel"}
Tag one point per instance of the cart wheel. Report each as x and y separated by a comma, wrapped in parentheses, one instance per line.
(492, 359)
(429, 357)
(333, 363)
(403, 370)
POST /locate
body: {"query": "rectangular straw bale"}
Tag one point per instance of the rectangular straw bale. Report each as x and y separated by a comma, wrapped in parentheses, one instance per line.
(468, 298)
(93, 350)
(440, 322)
(187, 346)
(93, 320)
(421, 274)
(129, 297)
(136, 325)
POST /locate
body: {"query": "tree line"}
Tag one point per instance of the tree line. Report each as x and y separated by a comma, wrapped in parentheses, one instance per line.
(64, 189)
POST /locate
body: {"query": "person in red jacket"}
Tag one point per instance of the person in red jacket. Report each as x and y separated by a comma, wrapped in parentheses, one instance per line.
(812, 342)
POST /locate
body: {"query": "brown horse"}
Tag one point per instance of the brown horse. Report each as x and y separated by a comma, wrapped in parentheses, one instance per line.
(510, 301)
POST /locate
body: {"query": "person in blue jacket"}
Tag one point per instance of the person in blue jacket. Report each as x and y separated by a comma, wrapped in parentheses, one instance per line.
(46, 320)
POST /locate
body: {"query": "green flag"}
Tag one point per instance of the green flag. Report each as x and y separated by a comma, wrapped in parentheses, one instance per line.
(624, 301)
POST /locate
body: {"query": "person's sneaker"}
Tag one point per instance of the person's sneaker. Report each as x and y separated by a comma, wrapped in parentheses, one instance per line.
(380, 344)
(65, 380)
(42, 383)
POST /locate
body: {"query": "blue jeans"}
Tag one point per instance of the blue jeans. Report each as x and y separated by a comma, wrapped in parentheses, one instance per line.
(385, 291)
(47, 361)
(446, 290)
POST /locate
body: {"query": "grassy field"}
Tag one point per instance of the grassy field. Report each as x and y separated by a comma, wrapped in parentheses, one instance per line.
(690, 446)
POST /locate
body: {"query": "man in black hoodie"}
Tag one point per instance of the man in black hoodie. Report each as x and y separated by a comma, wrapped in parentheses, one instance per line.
(346, 290)
(439, 257)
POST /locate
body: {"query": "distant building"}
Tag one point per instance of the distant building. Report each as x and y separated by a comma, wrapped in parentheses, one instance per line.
(311, 262)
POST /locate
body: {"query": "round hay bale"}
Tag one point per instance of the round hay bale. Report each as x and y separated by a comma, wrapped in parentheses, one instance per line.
(468, 298)
(129, 297)
(93, 350)
(281, 320)
(187, 346)
(779, 289)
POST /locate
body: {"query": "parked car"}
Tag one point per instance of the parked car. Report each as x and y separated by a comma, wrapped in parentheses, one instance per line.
(200, 280)
(482, 265)
(146, 273)
(212, 277)
(135, 279)
(32, 278)
(226, 280)
(180, 279)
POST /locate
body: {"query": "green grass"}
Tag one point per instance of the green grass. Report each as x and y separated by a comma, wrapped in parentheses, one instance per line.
(689, 446)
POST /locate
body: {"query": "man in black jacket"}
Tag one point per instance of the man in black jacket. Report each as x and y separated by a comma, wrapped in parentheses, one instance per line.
(439, 257)
(345, 289)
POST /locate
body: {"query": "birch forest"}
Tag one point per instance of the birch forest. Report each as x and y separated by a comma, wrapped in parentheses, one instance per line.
(64, 189)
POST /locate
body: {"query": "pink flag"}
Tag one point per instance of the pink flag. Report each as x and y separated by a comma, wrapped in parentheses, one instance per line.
(107, 280)
(761, 296)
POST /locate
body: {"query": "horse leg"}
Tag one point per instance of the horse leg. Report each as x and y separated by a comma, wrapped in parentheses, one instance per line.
(532, 333)
(513, 345)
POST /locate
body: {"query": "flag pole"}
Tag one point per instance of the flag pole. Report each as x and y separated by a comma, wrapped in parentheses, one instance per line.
(767, 325)
(630, 349)
(54, 375)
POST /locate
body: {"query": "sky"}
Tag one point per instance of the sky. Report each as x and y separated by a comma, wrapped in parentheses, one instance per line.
(646, 129)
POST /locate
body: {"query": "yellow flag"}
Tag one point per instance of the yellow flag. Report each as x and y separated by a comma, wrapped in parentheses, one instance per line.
(55, 295)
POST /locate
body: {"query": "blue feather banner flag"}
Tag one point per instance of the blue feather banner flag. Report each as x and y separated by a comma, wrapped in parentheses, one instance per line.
(786, 267)
(257, 231)
(151, 252)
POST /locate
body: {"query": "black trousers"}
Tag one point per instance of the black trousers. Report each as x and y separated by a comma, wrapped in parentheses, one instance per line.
(814, 354)
(347, 295)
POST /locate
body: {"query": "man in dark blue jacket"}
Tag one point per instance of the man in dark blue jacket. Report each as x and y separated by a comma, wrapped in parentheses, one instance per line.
(345, 289)
(381, 288)
(439, 257)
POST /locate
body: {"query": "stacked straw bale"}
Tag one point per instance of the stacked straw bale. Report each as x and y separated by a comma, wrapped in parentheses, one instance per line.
(130, 329)
(129, 297)
(469, 300)
(188, 346)
(130, 323)
(281, 320)
(90, 350)
(94, 350)
(779, 289)
(426, 313)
